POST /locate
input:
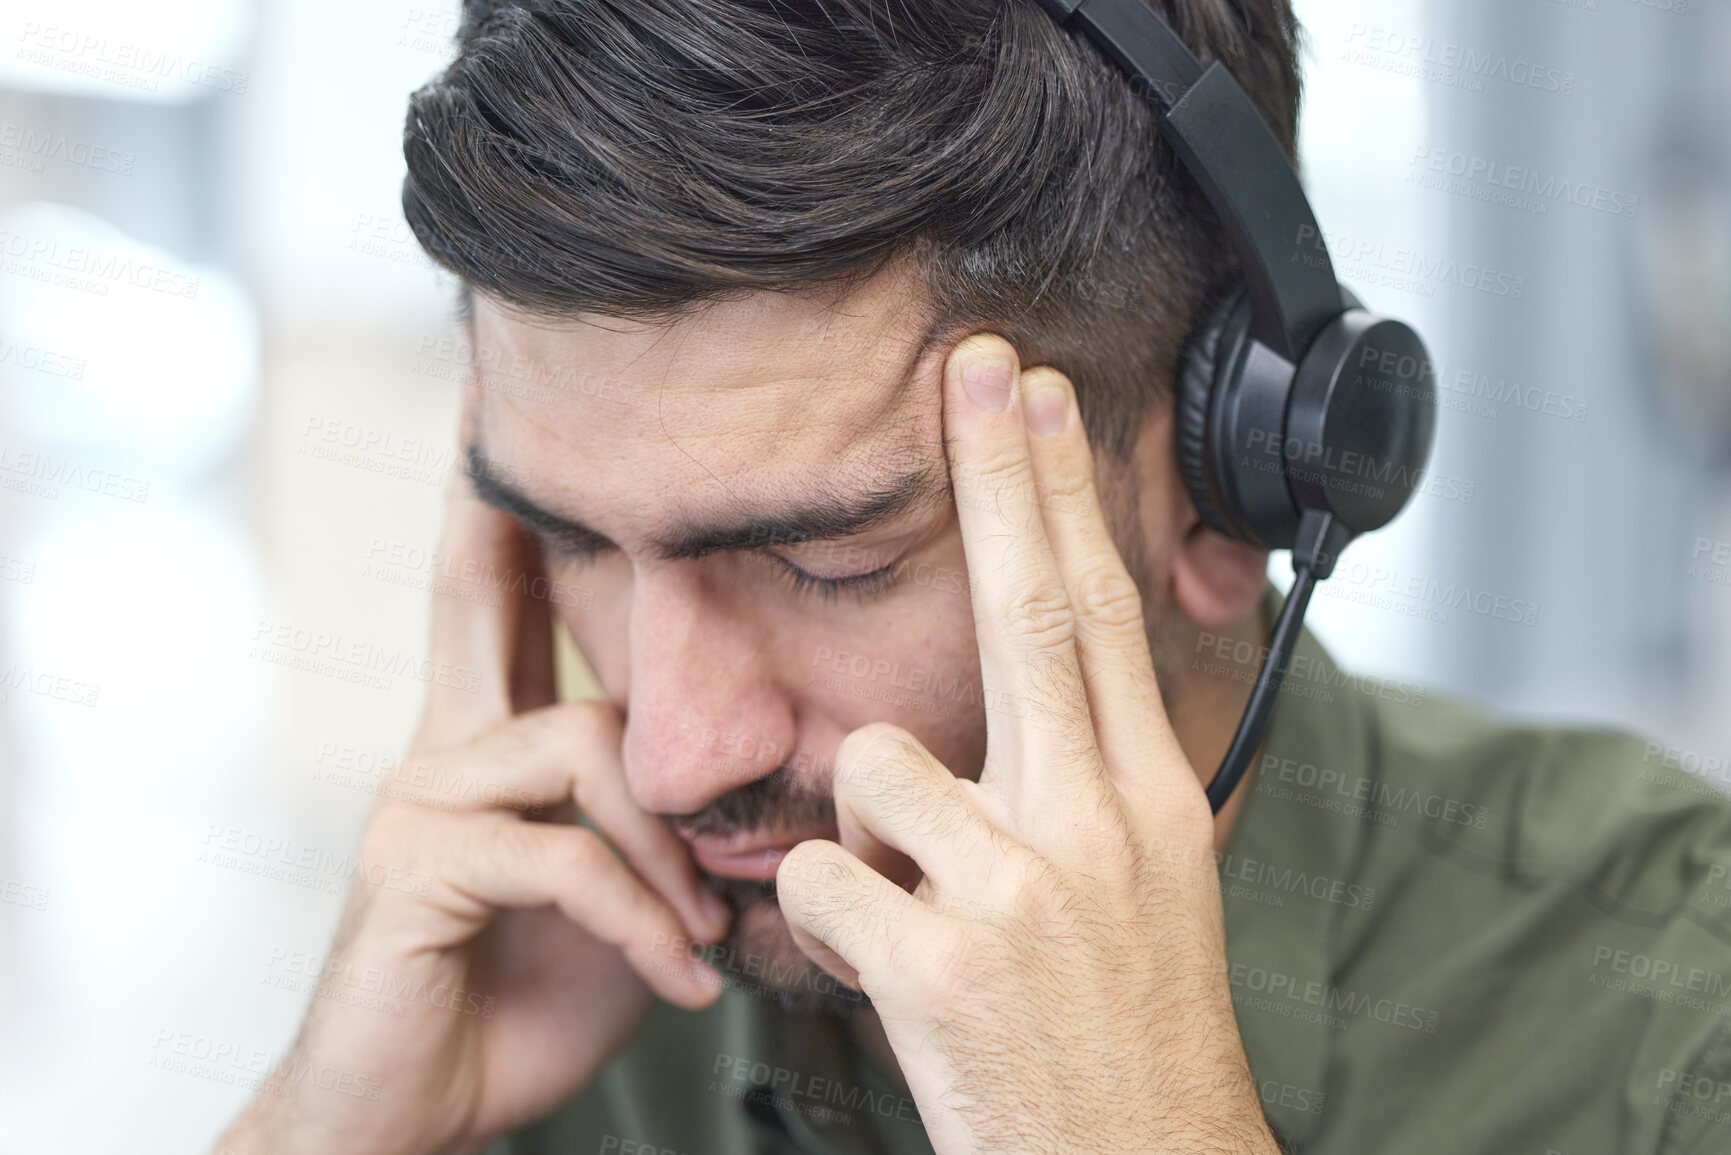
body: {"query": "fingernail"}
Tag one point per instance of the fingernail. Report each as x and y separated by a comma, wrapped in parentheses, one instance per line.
(987, 382)
(1047, 409)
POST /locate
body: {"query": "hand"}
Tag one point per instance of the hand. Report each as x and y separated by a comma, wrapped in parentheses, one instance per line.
(1057, 979)
(541, 938)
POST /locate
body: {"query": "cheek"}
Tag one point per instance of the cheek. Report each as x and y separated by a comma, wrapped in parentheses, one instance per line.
(913, 663)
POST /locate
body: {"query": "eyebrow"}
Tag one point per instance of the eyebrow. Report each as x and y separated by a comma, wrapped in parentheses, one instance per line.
(827, 517)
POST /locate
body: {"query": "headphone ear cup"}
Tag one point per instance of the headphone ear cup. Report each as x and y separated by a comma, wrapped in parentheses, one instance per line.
(1208, 356)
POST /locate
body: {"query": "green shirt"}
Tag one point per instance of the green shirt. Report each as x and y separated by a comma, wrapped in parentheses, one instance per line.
(1444, 934)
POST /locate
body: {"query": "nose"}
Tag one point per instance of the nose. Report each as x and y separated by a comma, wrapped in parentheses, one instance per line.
(705, 713)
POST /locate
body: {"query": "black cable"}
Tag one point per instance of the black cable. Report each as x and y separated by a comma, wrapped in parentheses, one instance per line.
(1319, 543)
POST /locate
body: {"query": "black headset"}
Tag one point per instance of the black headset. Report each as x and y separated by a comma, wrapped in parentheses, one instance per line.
(1302, 420)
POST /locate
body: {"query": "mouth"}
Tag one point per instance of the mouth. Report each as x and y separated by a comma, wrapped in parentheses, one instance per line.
(752, 857)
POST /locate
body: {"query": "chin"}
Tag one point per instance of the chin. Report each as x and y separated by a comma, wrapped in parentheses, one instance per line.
(759, 956)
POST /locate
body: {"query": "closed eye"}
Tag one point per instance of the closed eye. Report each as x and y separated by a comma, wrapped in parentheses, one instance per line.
(861, 586)
(829, 589)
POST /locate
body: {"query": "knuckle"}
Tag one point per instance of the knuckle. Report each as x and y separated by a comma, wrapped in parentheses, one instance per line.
(997, 471)
(576, 851)
(961, 961)
(1067, 483)
(1105, 594)
(1044, 899)
(394, 835)
(1041, 616)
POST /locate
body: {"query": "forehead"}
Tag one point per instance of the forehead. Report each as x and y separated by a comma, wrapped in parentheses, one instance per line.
(746, 402)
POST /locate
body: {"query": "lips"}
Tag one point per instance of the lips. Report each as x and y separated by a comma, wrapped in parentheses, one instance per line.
(752, 856)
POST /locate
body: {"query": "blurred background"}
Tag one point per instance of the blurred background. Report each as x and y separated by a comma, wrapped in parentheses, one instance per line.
(227, 394)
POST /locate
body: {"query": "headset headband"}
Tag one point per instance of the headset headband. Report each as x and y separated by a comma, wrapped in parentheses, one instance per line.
(1227, 146)
(1291, 365)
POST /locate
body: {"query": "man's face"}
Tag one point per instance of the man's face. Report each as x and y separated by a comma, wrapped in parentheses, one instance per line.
(758, 498)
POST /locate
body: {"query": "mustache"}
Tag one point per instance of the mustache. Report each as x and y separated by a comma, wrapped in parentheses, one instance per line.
(780, 800)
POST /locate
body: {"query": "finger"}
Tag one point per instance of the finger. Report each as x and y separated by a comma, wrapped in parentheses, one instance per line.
(486, 862)
(896, 804)
(1130, 724)
(542, 759)
(475, 620)
(845, 916)
(531, 763)
(658, 855)
(1039, 750)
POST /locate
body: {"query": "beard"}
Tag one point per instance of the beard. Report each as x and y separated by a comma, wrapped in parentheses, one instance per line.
(758, 955)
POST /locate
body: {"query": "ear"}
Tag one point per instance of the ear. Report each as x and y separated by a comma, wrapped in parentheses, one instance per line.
(1215, 580)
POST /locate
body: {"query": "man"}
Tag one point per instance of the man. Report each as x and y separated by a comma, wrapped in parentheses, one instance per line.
(828, 351)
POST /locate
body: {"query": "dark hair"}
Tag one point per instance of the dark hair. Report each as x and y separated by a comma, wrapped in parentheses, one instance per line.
(635, 158)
